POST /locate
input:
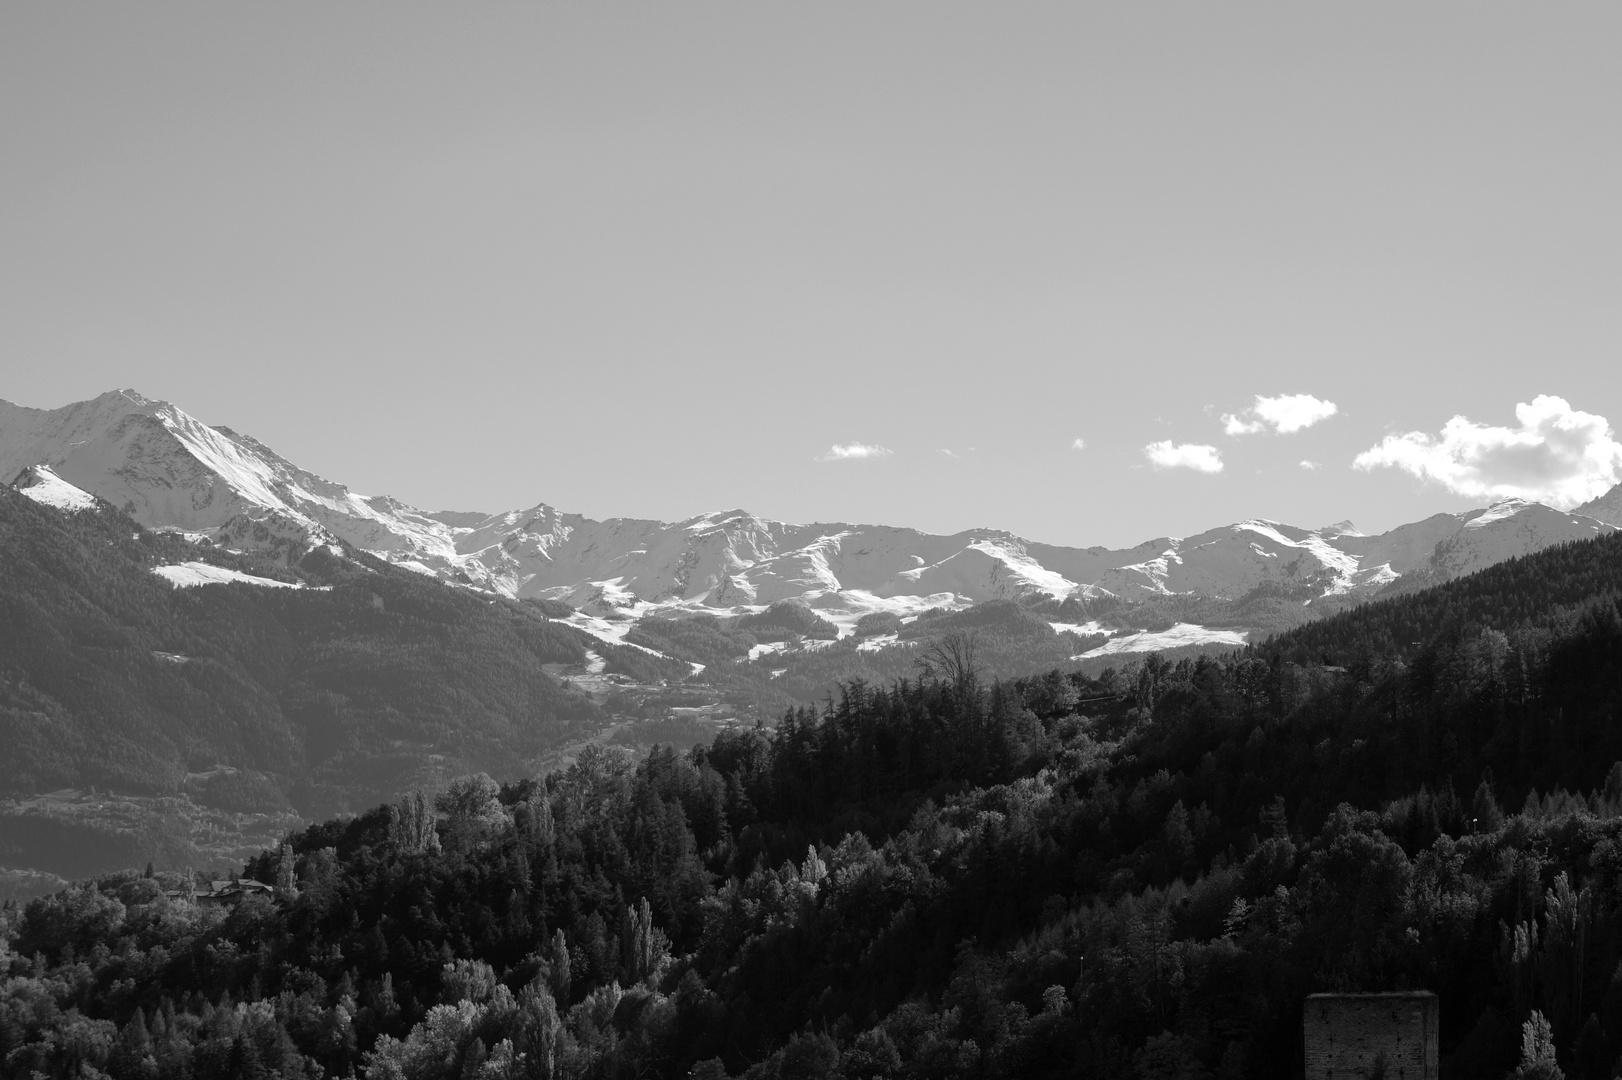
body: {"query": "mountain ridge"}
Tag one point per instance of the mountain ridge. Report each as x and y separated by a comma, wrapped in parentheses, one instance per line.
(172, 472)
(1606, 507)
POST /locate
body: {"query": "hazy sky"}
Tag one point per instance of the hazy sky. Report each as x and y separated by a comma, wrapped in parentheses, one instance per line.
(658, 259)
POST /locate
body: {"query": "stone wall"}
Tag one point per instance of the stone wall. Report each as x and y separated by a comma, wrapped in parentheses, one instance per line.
(1360, 1036)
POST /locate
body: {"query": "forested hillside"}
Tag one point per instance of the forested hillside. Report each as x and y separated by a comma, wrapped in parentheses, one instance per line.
(1012, 639)
(1520, 593)
(1135, 875)
(338, 692)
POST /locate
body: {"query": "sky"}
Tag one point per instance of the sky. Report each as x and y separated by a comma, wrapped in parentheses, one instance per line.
(1090, 273)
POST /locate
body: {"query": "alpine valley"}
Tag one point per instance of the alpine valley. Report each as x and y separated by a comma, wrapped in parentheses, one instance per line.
(204, 641)
(525, 795)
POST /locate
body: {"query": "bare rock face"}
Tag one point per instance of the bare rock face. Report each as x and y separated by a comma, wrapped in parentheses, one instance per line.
(170, 471)
(1606, 508)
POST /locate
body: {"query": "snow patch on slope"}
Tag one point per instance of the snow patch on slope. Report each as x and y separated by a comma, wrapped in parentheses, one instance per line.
(1178, 636)
(191, 574)
(1091, 628)
(44, 486)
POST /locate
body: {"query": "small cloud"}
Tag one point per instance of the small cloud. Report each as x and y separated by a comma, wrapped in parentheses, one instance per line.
(854, 452)
(1284, 415)
(948, 453)
(1557, 455)
(1166, 455)
(1310, 466)
(1078, 444)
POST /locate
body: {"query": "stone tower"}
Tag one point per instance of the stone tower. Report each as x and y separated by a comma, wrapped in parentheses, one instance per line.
(1356, 1036)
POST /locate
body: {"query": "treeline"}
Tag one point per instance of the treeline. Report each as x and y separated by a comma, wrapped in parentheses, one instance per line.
(1012, 640)
(784, 620)
(1520, 592)
(703, 639)
(1136, 875)
(1270, 607)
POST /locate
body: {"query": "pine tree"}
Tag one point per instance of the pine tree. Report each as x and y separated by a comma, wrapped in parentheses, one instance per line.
(412, 825)
(1275, 819)
(286, 882)
(1485, 813)
(539, 824)
(477, 1055)
(541, 1026)
(559, 961)
(518, 925)
(244, 1061)
(1613, 789)
(134, 1042)
(385, 1006)
(1178, 838)
(636, 942)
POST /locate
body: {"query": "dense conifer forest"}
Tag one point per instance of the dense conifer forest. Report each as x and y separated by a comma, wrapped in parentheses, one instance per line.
(1135, 875)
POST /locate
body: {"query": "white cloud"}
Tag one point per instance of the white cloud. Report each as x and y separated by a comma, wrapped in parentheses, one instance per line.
(854, 452)
(1078, 444)
(1165, 455)
(1310, 466)
(1557, 455)
(948, 453)
(1284, 415)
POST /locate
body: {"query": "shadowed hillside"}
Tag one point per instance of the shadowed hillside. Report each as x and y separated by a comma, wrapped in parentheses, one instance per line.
(338, 691)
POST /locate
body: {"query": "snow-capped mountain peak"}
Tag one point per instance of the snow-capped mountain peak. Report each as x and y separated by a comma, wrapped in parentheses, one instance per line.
(42, 485)
(171, 471)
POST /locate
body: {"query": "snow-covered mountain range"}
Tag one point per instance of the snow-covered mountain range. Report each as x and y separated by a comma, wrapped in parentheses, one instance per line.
(170, 471)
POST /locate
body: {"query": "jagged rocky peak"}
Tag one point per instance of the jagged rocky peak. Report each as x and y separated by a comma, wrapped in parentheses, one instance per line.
(169, 470)
(1606, 507)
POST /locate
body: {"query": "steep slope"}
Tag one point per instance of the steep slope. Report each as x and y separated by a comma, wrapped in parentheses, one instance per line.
(1537, 590)
(168, 470)
(1507, 530)
(45, 487)
(1607, 507)
(342, 689)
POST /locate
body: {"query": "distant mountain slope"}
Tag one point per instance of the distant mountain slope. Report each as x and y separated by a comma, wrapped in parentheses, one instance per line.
(1607, 507)
(342, 689)
(1529, 591)
(169, 471)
